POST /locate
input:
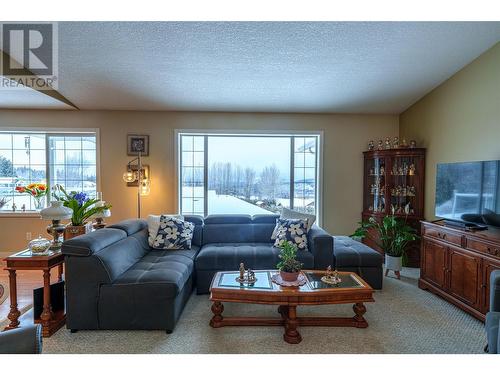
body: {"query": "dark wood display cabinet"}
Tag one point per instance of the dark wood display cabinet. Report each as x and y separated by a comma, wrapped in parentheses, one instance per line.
(394, 181)
(456, 264)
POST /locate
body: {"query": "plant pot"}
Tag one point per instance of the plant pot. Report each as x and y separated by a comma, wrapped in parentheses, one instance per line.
(393, 263)
(72, 231)
(289, 276)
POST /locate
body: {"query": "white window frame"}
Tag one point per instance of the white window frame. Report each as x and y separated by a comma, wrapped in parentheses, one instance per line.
(285, 133)
(56, 132)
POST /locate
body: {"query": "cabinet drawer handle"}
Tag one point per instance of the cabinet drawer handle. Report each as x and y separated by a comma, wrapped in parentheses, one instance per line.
(493, 251)
(442, 235)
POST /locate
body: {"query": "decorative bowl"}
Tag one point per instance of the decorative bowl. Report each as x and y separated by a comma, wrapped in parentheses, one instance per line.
(39, 246)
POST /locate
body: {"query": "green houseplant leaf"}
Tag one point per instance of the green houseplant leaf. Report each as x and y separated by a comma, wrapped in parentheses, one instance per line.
(394, 234)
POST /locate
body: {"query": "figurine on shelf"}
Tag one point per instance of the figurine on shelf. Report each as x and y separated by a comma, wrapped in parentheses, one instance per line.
(371, 172)
(395, 142)
(382, 170)
(407, 208)
(387, 143)
(403, 144)
(23, 207)
(371, 146)
(380, 145)
(14, 207)
(412, 170)
(413, 144)
(405, 169)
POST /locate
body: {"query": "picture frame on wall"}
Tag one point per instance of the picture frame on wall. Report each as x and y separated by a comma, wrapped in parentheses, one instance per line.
(137, 143)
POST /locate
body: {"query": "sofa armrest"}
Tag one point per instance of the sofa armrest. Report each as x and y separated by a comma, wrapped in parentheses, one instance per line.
(493, 332)
(495, 291)
(22, 340)
(320, 244)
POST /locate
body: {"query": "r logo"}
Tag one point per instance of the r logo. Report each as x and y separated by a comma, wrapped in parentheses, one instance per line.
(30, 46)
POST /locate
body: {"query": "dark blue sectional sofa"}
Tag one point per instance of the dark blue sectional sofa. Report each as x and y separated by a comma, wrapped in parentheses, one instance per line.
(114, 280)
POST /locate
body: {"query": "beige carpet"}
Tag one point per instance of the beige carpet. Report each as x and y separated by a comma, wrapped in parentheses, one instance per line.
(404, 319)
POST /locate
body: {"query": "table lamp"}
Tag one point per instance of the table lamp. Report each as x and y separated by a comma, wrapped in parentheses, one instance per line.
(99, 216)
(56, 212)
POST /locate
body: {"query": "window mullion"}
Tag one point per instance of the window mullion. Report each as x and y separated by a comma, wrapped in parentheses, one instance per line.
(205, 175)
(292, 171)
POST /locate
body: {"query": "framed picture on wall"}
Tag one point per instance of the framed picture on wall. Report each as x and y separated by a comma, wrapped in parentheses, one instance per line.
(137, 143)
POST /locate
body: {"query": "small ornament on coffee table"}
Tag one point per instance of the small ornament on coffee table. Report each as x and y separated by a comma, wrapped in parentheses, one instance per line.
(246, 277)
(331, 277)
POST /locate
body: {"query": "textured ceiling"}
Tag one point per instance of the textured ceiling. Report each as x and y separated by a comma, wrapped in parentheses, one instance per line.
(364, 67)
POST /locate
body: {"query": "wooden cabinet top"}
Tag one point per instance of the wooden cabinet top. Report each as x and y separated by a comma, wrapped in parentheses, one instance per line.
(492, 234)
(417, 151)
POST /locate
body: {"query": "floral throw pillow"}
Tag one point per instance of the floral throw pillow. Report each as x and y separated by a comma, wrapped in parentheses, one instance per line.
(173, 234)
(293, 231)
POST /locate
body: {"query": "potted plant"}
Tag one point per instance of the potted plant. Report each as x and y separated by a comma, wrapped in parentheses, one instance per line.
(393, 235)
(83, 208)
(289, 266)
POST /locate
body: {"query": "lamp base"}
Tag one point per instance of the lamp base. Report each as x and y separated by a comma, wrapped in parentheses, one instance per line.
(56, 230)
(99, 223)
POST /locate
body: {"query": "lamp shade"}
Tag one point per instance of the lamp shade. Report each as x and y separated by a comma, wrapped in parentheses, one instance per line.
(56, 211)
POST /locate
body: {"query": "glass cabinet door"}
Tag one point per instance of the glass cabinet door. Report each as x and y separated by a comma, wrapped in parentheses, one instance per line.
(375, 171)
(405, 185)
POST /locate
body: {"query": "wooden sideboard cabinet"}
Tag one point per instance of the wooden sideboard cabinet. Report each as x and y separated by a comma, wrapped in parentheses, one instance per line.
(456, 265)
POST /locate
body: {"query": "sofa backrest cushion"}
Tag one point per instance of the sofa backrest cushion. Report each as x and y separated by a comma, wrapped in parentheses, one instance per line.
(120, 256)
(238, 228)
(116, 247)
(198, 229)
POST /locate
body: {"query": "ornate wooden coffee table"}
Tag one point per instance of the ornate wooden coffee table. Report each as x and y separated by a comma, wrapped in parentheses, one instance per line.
(353, 289)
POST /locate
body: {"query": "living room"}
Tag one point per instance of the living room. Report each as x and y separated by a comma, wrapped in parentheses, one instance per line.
(218, 158)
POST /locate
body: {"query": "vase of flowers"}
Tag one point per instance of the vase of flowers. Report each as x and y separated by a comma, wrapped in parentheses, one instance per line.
(289, 266)
(37, 191)
(83, 208)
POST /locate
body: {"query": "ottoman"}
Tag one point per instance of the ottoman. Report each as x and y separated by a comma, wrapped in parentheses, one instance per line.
(354, 256)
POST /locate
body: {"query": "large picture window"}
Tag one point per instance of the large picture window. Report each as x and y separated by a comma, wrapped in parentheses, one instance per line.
(249, 174)
(47, 158)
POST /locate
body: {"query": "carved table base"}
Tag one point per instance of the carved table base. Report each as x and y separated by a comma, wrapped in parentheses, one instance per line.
(289, 320)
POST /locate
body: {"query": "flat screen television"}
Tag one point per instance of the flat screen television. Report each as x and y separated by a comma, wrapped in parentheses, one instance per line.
(469, 192)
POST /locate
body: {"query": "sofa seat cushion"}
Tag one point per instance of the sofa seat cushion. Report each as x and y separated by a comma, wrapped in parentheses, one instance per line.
(351, 253)
(167, 269)
(255, 255)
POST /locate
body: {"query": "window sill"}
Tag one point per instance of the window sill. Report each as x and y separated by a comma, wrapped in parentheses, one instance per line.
(27, 214)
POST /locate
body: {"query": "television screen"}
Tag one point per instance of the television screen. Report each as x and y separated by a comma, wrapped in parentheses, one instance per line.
(469, 191)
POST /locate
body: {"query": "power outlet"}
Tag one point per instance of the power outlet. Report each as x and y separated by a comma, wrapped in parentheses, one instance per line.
(28, 236)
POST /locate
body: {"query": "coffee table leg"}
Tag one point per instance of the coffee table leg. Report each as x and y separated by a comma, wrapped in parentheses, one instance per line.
(217, 309)
(283, 311)
(292, 336)
(14, 313)
(360, 310)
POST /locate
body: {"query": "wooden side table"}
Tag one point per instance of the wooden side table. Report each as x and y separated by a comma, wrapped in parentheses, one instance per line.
(50, 320)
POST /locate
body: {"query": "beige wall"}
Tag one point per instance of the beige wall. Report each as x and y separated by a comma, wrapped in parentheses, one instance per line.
(459, 120)
(345, 137)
